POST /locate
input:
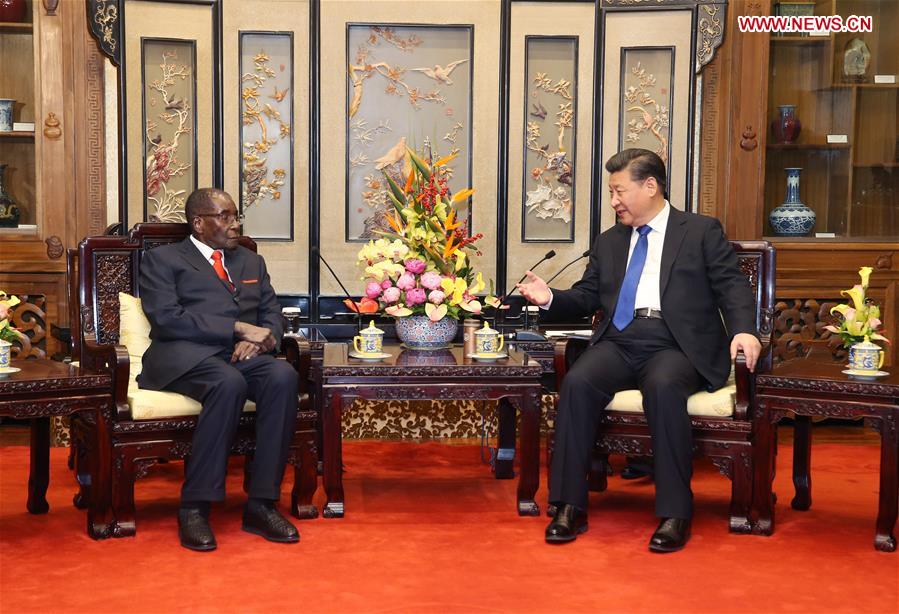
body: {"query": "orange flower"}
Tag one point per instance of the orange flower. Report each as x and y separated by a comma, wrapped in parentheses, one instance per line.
(366, 305)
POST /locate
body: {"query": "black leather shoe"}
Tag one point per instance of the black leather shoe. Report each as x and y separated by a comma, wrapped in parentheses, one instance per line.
(671, 536)
(637, 467)
(194, 530)
(268, 522)
(567, 524)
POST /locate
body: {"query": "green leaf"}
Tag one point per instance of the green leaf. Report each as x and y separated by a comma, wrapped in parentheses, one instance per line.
(420, 164)
(397, 190)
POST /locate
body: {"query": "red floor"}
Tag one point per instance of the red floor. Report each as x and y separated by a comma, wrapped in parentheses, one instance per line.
(427, 529)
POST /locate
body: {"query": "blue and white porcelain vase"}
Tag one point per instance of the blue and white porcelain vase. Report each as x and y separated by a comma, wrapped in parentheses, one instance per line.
(418, 332)
(6, 108)
(792, 218)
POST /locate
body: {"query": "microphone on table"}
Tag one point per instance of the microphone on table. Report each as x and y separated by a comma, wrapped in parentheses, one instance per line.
(346, 293)
(562, 270)
(528, 335)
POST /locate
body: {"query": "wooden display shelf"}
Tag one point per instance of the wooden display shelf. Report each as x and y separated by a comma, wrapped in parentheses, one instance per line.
(17, 134)
(20, 28)
(875, 165)
(810, 146)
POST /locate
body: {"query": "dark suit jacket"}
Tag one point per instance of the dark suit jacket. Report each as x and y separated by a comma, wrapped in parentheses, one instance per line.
(699, 276)
(192, 312)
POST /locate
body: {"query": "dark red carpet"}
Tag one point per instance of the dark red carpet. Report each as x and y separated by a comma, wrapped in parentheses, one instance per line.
(428, 529)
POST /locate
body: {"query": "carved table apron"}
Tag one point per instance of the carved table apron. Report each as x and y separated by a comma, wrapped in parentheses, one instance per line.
(809, 388)
(432, 375)
(45, 388)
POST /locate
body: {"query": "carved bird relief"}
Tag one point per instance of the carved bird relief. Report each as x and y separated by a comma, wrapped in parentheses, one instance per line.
(441, 73)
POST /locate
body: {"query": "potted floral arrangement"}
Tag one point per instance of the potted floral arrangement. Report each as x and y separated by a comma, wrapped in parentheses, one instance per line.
(8, 334)
(859, 324)
(420, 270)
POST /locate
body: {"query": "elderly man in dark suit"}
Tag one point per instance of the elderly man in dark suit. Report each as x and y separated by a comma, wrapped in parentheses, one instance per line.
(215, 322)
(674, 299)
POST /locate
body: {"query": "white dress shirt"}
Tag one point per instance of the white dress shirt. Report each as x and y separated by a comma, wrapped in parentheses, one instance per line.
(207, 253)
(649, 287)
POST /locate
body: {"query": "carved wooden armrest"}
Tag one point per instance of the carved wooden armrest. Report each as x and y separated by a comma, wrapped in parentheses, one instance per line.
(298, 353)
(114, 360)
(565, 352)
(745, 381)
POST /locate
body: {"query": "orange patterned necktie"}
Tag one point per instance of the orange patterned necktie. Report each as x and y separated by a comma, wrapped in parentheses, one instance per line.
(220, 269)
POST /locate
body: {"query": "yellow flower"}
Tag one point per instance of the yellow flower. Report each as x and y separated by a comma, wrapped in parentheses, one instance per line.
(455, 289)
(865, 273)
(857, 294)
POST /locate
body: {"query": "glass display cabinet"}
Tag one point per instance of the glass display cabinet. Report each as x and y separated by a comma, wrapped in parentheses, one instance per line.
(832, 152)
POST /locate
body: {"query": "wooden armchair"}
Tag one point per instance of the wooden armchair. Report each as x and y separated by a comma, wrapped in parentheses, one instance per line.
(141, 436)
(723, 423)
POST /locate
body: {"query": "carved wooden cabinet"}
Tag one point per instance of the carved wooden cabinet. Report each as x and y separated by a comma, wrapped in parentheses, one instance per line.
(55, 171)
(760, 72)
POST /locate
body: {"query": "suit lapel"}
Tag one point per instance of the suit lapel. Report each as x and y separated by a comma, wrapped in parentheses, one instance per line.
(193, 257)
(674, 236)
(235, 261)
(621, 244)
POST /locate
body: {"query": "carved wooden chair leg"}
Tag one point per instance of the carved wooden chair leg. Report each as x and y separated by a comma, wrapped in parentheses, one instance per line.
(78, 462)
(599, 471)
(305, 480)
(123, 496)
(741, 493)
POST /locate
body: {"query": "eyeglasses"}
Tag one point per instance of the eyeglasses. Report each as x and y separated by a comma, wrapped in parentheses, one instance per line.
(225, 218)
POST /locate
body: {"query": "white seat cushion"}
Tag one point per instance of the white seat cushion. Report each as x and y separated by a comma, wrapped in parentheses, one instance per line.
(134, 334)
(717, 404)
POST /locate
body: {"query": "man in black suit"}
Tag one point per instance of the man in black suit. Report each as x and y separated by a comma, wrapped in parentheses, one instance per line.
(215, 322)
(674, 299)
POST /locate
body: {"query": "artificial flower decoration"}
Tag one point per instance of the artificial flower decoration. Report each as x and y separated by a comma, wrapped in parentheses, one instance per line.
(7, 302)
(861, 319)
(422, 265)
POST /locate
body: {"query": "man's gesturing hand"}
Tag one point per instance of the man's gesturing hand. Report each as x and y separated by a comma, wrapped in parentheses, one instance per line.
(750, 346)
(535, 290)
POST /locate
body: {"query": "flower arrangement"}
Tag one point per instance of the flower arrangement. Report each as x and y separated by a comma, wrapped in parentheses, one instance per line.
(7, 332)
(860, 320)
(422, 265)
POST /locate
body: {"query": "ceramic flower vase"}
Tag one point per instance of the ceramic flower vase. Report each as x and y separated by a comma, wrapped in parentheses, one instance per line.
(865, 357)
(418, 332)
(6, 108)
(786, 126)
(792, 218)
(5, 347)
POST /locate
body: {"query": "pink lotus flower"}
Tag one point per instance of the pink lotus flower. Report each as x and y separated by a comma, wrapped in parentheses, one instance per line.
(431, 280)
(372, 289)
(416, 266)
(406, 282)
(436, 296)
(415, 296)
(391, 295)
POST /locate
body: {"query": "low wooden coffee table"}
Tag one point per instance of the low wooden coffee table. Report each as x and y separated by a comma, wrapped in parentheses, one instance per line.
(417, 375)
(44, 388)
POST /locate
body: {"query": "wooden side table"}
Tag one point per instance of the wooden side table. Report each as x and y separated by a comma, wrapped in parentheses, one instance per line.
(45, 388)
(808, 388)
(443, 374)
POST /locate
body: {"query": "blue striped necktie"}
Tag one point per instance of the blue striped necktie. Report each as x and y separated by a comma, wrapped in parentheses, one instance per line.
(624, 310)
